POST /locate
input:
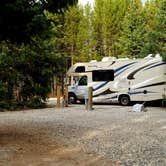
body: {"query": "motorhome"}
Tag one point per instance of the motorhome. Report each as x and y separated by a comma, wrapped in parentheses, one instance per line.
(119, 80)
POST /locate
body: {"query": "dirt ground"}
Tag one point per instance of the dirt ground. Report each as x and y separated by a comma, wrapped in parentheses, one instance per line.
(35, 137)
(22, 149)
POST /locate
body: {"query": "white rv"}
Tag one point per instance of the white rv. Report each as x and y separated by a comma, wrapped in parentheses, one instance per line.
(119, 80)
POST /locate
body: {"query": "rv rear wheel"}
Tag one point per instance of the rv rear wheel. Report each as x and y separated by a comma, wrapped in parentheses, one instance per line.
(72, 98)
(124, 100)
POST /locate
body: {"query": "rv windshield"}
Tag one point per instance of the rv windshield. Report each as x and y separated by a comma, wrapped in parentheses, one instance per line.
(79, 80)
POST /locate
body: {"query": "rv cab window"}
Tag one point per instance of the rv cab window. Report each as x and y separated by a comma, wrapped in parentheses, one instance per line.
(80, 69)
(83, 81)
(103, 75)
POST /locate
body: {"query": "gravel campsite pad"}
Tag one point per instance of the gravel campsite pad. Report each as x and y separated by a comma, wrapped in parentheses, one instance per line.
(108, 135)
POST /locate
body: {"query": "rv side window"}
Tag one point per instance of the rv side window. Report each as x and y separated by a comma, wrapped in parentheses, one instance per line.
(103, 75)
(83, 81)
(80, 69)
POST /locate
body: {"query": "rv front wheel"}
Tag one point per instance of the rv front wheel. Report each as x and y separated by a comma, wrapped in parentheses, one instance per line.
(124, 100)
(72, 98)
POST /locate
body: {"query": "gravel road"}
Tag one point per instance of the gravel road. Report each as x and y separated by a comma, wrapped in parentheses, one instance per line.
(108, 135)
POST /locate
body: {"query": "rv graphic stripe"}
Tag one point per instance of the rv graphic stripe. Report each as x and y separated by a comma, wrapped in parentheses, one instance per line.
(156, 84)
(113, 97)
(101, 85)
(122, 69)
(139, 92)
(163, 63)
(131, 75)
(105, 93)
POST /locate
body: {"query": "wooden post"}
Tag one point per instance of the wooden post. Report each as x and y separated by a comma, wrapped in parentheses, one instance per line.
(90, 94)
(58, 95)
(54, 86)
(66, 95)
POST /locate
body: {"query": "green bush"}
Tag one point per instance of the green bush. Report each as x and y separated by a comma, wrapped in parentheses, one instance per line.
(4, 105)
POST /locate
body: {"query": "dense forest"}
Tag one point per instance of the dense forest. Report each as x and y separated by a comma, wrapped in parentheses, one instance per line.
(39, 39)
(120, 28)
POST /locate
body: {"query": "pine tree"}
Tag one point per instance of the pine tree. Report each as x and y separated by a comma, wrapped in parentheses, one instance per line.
(84, 38)
(150, 10)
(114, 12)
(161, 29)
(108, 22)
(156, 27)
(133, 35)
(70, 31)
(97, 21)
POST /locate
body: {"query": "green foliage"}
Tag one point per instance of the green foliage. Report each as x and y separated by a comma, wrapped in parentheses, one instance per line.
(22, 19)
(85, 43)
(28, 69)
(133, 32)
(28, 53)
(114, 28)
(156, 38)
(3, 91)
(108, 18)
(161, 29)
(121, 28)
(89, 33)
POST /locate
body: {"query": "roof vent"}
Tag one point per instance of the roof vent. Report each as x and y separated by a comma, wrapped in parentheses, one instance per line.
(93, 61)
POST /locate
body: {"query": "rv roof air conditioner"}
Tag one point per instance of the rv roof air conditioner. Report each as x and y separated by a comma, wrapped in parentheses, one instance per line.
(149, 56)
(157, 56)
(106, 59)
(152, 56)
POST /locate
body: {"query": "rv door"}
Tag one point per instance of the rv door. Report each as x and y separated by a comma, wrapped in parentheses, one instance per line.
(81, 87)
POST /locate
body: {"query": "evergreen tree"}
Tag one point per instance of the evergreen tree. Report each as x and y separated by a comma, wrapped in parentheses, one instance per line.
(97, 22)
(114, 12)
(156, 21)
(150, 10)
(70, 32)
(107, 21)
(84, 37)
(161, 29)
(21, 19)
(75, 28)
(28, 57)
(133, 35)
